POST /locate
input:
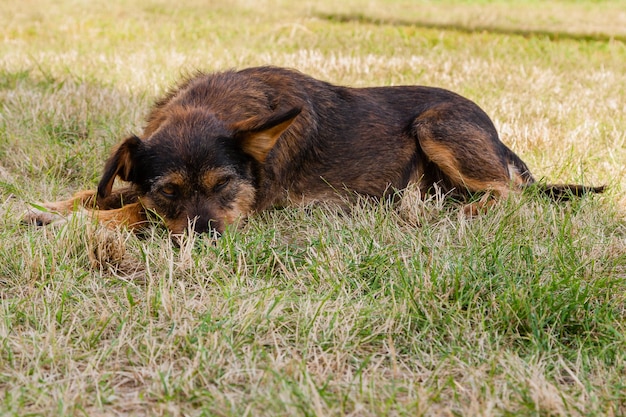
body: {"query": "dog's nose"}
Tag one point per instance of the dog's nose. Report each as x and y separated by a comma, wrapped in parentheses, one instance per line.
(201, 224)
(204, 224)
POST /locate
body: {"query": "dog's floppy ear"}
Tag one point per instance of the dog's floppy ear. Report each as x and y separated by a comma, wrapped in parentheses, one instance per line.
(120, 163)
(257, 137)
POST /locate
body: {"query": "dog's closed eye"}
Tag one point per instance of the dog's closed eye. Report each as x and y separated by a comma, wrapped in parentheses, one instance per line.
(169, 191)
(221, 184)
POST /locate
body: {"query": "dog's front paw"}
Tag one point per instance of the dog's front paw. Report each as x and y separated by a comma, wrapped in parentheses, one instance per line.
(42, 216)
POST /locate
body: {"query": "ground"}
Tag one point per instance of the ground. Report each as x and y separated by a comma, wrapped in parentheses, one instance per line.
(387, 310)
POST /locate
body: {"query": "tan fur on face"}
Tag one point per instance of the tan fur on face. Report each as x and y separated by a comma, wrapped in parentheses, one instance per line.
(243, 204)
(213, 177)
(173, 178)
(222, 214)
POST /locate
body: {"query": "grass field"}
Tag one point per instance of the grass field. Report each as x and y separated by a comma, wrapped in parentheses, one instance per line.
(406, 310)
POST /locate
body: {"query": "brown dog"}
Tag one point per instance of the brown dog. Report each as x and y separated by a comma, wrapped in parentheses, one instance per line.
(222, 146)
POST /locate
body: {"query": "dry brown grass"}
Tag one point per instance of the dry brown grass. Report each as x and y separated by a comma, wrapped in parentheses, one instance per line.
(409, 310)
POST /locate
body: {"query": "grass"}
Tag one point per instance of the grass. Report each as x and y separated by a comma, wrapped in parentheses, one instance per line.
(406, 310)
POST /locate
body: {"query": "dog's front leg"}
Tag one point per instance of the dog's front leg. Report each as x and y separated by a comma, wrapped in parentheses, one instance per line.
(112, 211)
(131, 215)
(58, 211)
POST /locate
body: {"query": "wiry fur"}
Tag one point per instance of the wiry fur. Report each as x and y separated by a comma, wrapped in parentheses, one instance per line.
(222, 146)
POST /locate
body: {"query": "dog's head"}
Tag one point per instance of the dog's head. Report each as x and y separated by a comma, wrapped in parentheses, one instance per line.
(196, 169)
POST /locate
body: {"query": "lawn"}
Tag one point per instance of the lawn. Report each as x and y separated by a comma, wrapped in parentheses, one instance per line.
(408, 309)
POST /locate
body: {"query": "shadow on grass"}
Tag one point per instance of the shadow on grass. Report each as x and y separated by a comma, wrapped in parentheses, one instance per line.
(527, 33)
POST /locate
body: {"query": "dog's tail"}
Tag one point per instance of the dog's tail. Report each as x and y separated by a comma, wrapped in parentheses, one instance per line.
(564, 192)
(556, 192)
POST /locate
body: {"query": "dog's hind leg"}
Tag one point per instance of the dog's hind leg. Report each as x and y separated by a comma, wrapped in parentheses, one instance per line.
(460, 139)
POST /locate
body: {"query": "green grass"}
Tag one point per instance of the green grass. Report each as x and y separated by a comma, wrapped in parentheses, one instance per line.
(405, 310)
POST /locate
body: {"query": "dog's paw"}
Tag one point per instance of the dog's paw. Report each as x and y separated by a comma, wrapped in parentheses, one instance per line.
(42, 216)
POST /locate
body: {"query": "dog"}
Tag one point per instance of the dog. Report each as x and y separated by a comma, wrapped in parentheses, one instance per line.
(222, 146)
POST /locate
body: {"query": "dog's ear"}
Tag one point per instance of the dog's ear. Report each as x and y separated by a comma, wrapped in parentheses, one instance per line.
(120, 164)
(257, 137)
